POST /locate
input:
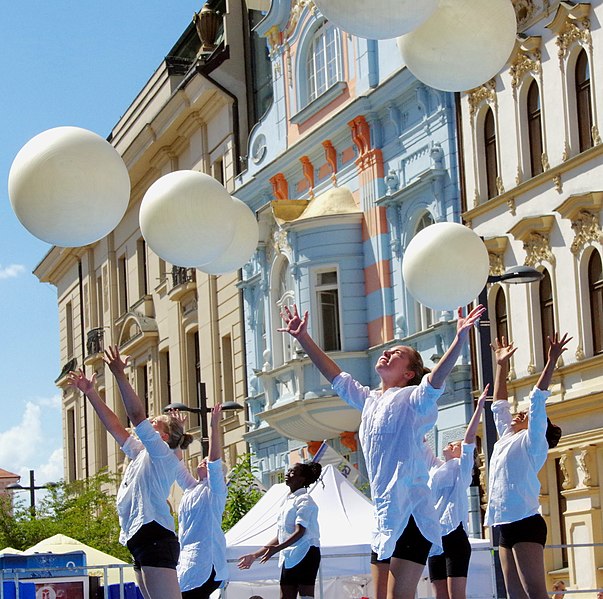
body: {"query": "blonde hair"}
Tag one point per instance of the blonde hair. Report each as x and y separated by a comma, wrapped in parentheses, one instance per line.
(177, 438)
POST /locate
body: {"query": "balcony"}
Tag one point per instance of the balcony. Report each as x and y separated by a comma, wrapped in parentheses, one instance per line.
(94, 341)
(183, 283)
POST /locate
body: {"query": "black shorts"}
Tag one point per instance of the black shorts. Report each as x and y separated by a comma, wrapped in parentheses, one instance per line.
(454, 561)
(528, 530)
(205, 590)
(303, 573)
(154, 546)
(411, 546)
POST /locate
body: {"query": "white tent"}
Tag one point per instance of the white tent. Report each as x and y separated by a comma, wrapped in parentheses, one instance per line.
(345, 518)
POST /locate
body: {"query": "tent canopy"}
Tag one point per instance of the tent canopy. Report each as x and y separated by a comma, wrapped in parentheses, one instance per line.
(345, 518)
(64, 544)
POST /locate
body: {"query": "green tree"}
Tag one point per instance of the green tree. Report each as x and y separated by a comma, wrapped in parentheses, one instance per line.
(243, 491)
(83, 510)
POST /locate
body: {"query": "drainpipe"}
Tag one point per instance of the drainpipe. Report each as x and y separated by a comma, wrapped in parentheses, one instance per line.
(83, 340)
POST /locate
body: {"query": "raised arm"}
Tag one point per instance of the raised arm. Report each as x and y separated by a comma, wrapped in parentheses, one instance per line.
(132, 403)
(297, 327)
(215, 445)
(474, 422)
(556, 348)
(502, 355)
(443, 368)
(109, 419)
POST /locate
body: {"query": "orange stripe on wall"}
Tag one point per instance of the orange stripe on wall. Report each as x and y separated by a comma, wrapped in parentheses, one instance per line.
(375, 223)
(377, 276)
(380, 330)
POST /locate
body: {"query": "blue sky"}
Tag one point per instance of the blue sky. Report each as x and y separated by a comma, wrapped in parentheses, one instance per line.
(62, 62)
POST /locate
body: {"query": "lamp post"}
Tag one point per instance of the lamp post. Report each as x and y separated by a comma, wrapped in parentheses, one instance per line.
(32, 488)
(516, 275)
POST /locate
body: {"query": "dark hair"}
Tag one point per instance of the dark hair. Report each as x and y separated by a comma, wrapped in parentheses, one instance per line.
(310, 471)
(553, 434)
(415, 362)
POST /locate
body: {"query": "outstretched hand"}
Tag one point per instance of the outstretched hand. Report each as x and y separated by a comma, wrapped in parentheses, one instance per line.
(216, 414)
(114, 361)
(464, 323)
(481, 400)
(502, 350)
(295, 325)
(245, 561)
(77, 379)
(557, 346)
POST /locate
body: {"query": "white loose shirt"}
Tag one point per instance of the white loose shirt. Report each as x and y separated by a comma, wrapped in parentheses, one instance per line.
(449, 481)
(516, 459)
(391, 434)
(202, 542)
(298, 508)
(142, 495)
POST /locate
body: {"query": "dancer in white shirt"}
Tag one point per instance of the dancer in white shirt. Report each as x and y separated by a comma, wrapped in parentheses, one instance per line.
(147, 525)
(513, 485)
(298, 537)
(395, 419)
(449, 480)
(202, 566)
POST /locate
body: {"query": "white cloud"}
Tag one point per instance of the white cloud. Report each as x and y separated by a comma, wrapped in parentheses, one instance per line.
(35, 443)
(11, 271)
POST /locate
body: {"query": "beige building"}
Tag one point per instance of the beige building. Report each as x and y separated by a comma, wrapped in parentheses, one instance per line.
(180, 327)
(533, 169)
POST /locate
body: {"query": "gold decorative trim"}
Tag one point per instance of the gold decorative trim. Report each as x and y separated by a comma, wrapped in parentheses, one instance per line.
(484, 93)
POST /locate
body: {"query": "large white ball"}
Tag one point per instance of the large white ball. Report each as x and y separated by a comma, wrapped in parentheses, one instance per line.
(462, 45)
(377, 19)
(69, 186)
(445, 266)
(187, 218)
(243, 244)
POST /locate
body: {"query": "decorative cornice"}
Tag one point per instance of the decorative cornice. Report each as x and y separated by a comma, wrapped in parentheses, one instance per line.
(527, 60)
(571, 23)
(583, 212)
(483, 93)
(534, 232)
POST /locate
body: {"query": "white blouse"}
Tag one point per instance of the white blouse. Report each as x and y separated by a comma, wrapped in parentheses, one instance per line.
(391, 434)
(517, 457)
(142, 495)
(202, 542)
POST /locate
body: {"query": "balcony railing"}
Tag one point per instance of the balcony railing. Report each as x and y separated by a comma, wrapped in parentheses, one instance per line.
(182, 275)
(94, 341)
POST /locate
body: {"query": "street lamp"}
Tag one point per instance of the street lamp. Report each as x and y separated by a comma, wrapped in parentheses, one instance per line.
(32, 488)
(516, 275)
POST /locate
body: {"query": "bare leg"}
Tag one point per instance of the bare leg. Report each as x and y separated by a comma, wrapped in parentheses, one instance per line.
(141, 584)
(513, 583)
(404, 577)
(288, 591)
(440, 589)
(306, 590)
(529, 559)
(457, 587)
(380, 574)
(161, 583)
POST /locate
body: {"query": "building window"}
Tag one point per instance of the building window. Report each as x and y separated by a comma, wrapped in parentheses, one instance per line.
(71, 446)
(534, 129)
(141, 256)
(100, 307)
(595, 293)
(285, 297)
(196, 389)
(561, 509)
(165, 376)
(425, 316)
(323, 64)
(227, 370)
(217, 170)
(142, 385)
(327, 298)
(490, 154)
(583, 102)
(500, 310)
(122, 283)
(261, 69)
(547, 317)
(69, 329)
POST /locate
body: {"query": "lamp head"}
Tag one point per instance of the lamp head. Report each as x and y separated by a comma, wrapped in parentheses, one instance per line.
(517, 275)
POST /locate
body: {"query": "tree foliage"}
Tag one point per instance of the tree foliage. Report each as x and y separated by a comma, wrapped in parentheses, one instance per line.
(83, 510)
(243, 491)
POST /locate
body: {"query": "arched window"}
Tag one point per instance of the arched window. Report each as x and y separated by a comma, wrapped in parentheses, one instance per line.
(583, 102)
(425, 317)
(323, 63)
(534, 129)
(595, 293)
(547, 317)
(500, 310)
(490, 154)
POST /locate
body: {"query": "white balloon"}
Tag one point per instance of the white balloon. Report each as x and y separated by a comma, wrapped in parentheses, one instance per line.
(68, 186)
(242, 246)
(445, 266)
(378, 19)
(186, 217)
(462, 45)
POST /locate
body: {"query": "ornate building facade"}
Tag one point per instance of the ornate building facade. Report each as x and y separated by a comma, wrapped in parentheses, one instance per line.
(534, 160)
